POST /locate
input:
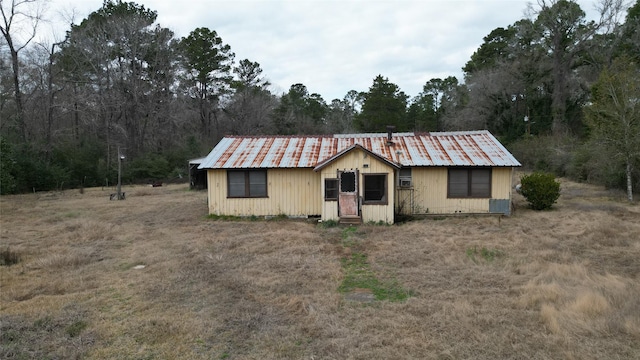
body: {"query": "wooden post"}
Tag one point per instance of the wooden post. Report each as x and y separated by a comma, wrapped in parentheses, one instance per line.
(120, 157)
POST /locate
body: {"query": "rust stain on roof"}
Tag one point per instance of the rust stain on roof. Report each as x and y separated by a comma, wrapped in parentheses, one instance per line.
(226, 155)
(469, 148)
(257, 162)
(280, 150)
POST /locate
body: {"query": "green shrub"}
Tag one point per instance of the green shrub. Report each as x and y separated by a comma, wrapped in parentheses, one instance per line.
(540, 189)
(8, 182)
(329, 223)
(147, 167)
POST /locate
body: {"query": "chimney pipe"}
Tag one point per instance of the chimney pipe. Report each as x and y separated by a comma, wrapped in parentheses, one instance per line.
(390, 129)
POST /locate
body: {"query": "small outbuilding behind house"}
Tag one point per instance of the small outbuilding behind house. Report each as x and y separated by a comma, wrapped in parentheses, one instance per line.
(197, 177)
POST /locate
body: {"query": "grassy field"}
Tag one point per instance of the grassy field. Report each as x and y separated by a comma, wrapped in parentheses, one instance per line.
(561, 284)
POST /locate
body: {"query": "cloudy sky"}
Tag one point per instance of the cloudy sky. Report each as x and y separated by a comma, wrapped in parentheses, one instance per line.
(333, 46)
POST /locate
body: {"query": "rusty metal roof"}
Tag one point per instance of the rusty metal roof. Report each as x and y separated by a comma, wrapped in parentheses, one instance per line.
(461, 148)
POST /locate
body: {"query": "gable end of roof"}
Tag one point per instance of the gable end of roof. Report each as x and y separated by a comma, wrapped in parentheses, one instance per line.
(324, 163)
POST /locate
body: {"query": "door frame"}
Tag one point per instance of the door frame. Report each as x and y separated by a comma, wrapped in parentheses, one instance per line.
(349, 201)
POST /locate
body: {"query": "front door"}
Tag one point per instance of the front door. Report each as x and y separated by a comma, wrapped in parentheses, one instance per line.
(348, 194)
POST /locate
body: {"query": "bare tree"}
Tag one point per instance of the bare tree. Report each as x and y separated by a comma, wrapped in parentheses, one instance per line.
(20, 19)
(614, 115)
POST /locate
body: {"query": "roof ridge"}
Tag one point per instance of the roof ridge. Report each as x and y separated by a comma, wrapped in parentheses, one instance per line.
(276, 136)
(360, 135)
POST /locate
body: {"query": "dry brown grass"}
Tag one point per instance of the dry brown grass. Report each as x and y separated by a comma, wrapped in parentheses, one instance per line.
(564, 286)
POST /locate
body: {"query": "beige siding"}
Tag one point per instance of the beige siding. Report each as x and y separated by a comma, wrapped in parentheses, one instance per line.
(501, 183)
(356, 160)
(329, 208)
(292, 192)
(429, 193)
(300, 192)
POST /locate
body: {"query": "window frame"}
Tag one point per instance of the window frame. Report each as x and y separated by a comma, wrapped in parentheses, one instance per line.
(247, 183)
(471, 192)
(335, 188)
(385, 195)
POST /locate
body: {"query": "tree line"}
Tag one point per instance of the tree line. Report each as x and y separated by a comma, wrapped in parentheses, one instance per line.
(559, 90)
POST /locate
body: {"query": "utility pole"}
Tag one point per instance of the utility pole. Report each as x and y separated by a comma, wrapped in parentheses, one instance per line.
(120, 158)
(527, 124)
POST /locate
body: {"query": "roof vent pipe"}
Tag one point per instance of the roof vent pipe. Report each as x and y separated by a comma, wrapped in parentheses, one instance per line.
(390, 129)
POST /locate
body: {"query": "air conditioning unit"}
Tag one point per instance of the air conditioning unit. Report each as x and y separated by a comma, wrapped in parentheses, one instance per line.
(405, 183)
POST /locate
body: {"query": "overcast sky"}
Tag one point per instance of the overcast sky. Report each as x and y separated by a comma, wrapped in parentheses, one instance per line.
(334, 46)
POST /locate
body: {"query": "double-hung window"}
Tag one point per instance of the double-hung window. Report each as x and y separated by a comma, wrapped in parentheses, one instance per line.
(469, 183)
(375, 188)
(247, 183)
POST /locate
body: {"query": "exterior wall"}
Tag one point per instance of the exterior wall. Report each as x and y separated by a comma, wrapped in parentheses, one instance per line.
(357, 159)
(429, 193)
(300, 192)
(293, 192)
(501, 183)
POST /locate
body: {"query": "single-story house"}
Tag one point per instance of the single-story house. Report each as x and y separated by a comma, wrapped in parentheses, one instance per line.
(360, 177)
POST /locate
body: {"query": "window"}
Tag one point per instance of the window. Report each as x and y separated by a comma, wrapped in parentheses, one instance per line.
(247, 183)
(348, 181)
(375, 188)
(469, 183)
(404, 177)
(331, 189)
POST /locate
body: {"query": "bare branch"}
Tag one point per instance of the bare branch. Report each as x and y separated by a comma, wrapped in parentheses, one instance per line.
(21, 20)
(610, 12)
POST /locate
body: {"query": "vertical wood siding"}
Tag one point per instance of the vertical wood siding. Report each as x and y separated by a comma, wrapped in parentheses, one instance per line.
(357, 159)
(300, 192)
(430, 192)
(501, 183)
(292, 192)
